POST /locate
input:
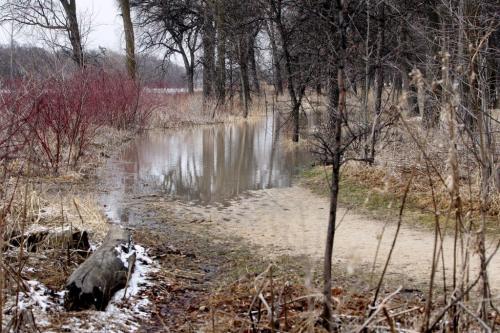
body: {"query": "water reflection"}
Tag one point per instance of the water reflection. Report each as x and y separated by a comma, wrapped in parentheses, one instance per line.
(207, 164)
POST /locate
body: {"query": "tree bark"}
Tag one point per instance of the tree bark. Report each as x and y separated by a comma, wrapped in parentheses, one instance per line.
(189, 69)
(221, 54)
(295, 99)
(430, 113)
(253, 63)
(278, 81)
(244, 81)
(73, 31)
(208, 44)
(337, 98)
(129, 38)
(379, 76)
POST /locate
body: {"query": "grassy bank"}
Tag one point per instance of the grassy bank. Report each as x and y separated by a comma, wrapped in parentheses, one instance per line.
(369, 191)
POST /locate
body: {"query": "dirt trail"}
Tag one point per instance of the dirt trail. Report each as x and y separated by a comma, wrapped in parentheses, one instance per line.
(294, 220)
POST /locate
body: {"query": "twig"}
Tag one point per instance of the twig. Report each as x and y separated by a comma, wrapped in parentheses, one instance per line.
(479, 320)
(131, 263)
(389, 319)
(377, 310)
(400, 220)
(457, 298)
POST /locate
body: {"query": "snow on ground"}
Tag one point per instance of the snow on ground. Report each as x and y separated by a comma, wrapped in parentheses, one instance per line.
(126, 310)
(144, 266)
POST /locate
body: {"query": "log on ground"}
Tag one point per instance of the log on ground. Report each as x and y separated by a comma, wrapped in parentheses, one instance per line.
(94, 282)
(45, 238)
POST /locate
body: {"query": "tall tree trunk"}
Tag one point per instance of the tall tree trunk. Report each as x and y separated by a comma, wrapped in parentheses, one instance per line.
(336, 114)
(278, 81)
(430, 114)
(295, 99)
(74, 31)
(253, 63)
(494, 65)
(379, 76)
(189, 69)
(244, 81)
(379, 69)
(129, 37)
(221, 53)
(367, 71)
(408, 88)
(231, 83)
(208, 45)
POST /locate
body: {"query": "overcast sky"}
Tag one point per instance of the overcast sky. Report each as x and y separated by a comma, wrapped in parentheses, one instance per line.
(106, 25)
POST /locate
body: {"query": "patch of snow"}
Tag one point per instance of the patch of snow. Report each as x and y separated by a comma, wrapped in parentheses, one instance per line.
(37, 296)
(123, 255)
(123, 314)
(138, 283)
(38, 299)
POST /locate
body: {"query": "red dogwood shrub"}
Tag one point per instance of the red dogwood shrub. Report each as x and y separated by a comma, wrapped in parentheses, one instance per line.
(58, 116)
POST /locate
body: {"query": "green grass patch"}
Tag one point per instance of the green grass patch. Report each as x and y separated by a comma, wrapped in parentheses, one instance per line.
(365, 198)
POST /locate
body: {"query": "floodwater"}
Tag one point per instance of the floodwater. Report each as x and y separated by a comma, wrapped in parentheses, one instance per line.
(204, 169)
(205, 165)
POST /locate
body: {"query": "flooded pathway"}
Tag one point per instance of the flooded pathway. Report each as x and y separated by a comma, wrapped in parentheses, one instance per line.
(203, 165)
(239, 177)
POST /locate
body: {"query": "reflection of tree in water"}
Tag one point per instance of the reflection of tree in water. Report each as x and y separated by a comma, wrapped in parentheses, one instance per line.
(212, 163)
(207, 164)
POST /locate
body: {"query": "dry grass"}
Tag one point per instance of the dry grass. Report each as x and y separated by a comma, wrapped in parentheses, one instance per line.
(182, 109)
(399, 154)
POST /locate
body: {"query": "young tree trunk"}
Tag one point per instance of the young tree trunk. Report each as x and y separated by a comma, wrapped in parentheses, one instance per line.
(484, 137)
(129, 37)
(336, 114)
(367, 73)
(73, 31)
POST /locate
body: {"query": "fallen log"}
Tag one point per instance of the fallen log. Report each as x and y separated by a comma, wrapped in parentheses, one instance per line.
(94, 282)
(45, 238)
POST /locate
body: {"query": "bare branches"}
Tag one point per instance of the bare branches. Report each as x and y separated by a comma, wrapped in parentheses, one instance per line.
(49, 15)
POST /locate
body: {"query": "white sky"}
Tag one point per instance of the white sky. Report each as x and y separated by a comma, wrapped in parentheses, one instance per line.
(106, 26)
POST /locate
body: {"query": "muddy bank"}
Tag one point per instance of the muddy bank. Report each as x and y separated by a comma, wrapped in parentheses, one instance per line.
(207, 279)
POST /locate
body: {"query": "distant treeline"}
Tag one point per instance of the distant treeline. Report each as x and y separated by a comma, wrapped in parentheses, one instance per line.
(25, 61)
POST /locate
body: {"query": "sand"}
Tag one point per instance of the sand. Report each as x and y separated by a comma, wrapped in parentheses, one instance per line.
(294, 220)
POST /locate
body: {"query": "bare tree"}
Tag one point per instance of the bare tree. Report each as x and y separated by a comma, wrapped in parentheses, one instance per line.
(51, 15)
(129, 37)
(173, 27)
(277, 79)
(208, 45)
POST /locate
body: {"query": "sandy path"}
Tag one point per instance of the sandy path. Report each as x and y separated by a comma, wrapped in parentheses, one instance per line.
(294, 219)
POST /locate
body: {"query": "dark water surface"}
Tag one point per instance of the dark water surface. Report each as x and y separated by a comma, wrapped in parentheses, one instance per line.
(209, 164)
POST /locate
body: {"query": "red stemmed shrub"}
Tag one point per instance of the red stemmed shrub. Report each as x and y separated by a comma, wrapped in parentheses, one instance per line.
(59, 116)
(15, 110)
